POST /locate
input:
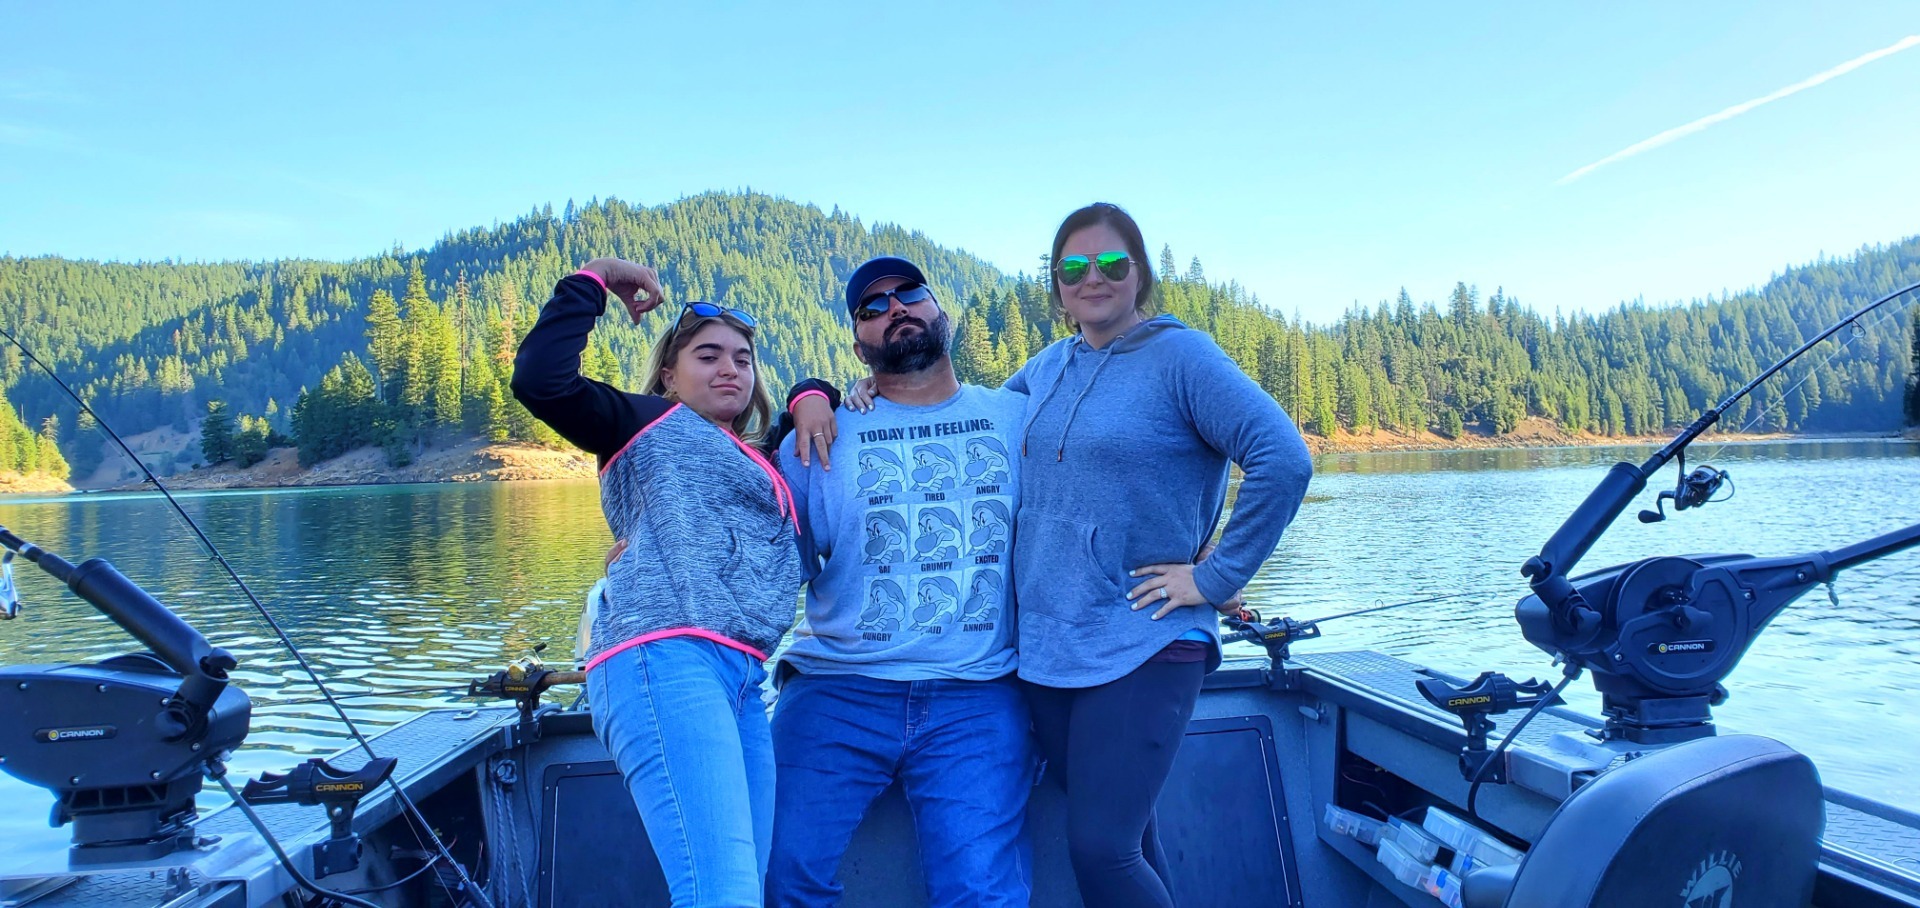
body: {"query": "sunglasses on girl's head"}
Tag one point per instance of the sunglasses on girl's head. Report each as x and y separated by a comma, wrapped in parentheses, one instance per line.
(877, 304)
(709, 310)
(1115, 265)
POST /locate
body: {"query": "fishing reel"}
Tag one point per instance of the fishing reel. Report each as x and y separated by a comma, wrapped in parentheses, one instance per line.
(1490, 694)
(123, 744)
(1693, 490)
(523, 681)
(1277, 636)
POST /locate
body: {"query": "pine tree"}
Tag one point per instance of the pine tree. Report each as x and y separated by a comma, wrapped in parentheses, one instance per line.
(477, 407)
(386, 342)
(974, 361)
(9, 450)
(85, 445)
(1272, 373)
(442, 355)
(250, 443)
(47, 445)
(216, 434)
(1913, 375)
(1014, 336)
(1300, 356)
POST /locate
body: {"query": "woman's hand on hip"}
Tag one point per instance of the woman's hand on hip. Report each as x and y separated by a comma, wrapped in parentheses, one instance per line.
(1170, 586)
(814, 429)
(1238, 603)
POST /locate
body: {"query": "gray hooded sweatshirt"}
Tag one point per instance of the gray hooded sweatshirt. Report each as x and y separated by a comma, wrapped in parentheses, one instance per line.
(1124, 456)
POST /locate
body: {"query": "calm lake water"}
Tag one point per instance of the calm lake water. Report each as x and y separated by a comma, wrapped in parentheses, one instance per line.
(390, 589)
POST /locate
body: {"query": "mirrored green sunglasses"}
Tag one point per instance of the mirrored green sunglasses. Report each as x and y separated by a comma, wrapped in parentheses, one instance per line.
(1113, 265)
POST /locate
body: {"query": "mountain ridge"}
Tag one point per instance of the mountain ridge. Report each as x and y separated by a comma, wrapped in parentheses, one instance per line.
(153, 343)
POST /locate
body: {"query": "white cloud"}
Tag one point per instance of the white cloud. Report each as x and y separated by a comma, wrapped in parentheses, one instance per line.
(1738, 109)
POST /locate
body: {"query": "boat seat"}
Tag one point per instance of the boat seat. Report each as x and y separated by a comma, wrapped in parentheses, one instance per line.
(1729, 820)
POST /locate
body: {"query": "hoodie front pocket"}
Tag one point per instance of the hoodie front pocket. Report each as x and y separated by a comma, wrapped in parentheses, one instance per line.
(1059, 572)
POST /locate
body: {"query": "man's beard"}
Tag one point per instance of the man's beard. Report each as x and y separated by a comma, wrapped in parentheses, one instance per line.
(912, 352)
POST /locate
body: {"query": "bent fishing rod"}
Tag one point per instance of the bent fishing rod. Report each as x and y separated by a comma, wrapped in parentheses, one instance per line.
(1548, 571)
(1657, 634)
(417, 819)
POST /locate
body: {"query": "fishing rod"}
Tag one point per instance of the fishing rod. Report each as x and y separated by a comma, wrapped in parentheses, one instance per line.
(1657, 634)
(1279, 636)
(1547, 572)
(416, 818)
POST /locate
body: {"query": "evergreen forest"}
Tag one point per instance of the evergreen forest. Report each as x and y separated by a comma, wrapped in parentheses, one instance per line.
(406, 349)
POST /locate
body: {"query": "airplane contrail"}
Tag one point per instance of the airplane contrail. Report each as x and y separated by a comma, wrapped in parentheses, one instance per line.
(1740, 108)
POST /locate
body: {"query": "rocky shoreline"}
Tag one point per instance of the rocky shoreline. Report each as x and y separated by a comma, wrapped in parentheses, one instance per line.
(472, 461)
(478, 461)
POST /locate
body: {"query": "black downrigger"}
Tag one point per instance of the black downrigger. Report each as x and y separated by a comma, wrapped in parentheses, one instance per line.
(1658, 634)
(126, 744)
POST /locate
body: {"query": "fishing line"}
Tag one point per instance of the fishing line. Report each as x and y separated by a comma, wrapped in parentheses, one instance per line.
(412, 810)
(1382, 608)
(372, 693)
(1780, 401)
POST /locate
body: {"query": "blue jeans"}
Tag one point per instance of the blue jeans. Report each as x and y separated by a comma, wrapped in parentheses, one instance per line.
(683, 720)
(964, 758)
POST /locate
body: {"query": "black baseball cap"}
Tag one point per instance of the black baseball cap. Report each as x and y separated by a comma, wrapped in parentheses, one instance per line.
(875, 269)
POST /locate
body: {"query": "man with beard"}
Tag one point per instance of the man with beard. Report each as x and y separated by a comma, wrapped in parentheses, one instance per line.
(933, 703)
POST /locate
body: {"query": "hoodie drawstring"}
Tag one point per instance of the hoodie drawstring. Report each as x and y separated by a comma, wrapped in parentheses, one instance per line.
(1060, 454)
(1026, 431)
(1139, 334)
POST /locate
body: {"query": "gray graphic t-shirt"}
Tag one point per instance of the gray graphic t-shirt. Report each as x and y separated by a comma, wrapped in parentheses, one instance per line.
(907, 541)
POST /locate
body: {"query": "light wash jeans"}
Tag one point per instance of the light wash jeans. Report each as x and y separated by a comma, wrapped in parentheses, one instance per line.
(684, 721)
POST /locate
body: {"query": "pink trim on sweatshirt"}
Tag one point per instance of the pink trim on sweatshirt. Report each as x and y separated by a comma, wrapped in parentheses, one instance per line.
(636, 437)
(721, 639)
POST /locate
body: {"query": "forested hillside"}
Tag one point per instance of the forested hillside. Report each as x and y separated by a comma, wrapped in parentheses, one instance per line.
(1488, 360)
(155, 343)
(402, 348)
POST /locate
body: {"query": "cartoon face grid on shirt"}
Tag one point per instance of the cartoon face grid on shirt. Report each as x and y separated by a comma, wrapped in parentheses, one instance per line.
(936, 533)
(882, 470)
(886, 536)
(986, 461)
(886, 603)
(985, 592)
(989, 526)
(937, 603)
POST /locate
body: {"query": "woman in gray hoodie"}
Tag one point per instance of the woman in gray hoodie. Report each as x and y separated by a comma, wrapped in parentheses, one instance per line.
(1130, 426)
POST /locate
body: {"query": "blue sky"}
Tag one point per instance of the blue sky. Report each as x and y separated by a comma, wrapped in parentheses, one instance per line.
(1319, 154)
